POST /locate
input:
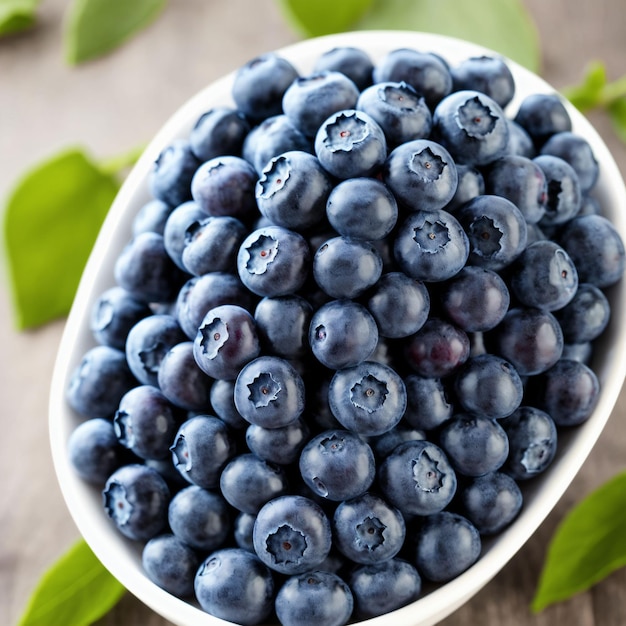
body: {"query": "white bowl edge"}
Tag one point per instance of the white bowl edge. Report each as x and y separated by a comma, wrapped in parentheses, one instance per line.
(122, 557)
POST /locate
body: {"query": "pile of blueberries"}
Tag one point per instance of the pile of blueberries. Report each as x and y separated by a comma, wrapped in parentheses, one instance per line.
(350, 323)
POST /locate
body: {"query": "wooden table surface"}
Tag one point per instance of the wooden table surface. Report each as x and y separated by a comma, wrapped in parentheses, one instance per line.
(114, 104)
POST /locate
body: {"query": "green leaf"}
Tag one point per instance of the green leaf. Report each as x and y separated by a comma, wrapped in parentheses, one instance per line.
(76, 591)
(617, 113)
(96, 27)
(17, 15)
(322, 17)
(502, 25)
(51, 221)
(589, 93)
(588, 545)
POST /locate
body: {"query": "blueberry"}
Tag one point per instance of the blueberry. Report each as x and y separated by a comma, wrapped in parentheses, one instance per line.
(476, 299)
(151, 217)
(293, 189)
(380, 588)
(226, 340)
(474, 444)
(273, 261)
(232, 584)
(259, 85)
(362, 208)
(94, 450)
(428, 404)
(487, 74)
(534, 232)
(184, 217)
(273, 136)
(447, 545)
(596, 248)
(399, 110)
(283, 325)
(337, 465)
(437, 349)
(113, 314)
(383, 445)
(225, 185)
(182, 382)
(586, 316)
(400, 305)
(342, 334)
(417, 478)
(146, 422)
(201, 448)
(171, 564)
(471, 183)
(520, 180)
(544, 276)
(543, 115)
(530, 339)
(146, 271)
(318, 597)
(426, 72)
(491, 502)
(422, 175)
(368, 398)
(578, 153)
(223, 403)
(136, 498)
(567, 392)
(350, 143)
(489, 386)
(211, 245)
(248, 482)
(496, 230)
(520, 142)
(578, 351)
(242, 531)
(345, 268)
(533, 440)
(199, 517)
(292, 535)
(311, 99)
(200, 294)
(355, 63)
(269, 392)
(148, 342)
(99, 381)
(217, 132)
(564, 195)
(589, 205)
(472, 126)
(431, 246)
(172, 173)
(367, 529)
(278, 445)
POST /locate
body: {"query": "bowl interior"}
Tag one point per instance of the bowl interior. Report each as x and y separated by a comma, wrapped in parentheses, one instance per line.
(123, 557)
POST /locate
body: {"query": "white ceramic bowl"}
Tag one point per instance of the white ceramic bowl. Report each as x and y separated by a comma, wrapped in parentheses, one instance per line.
(122, 557)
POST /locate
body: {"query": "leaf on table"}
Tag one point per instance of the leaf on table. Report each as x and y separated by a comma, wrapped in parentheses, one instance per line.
(17, 15)
(617, 113)
(589, 93)
(51, 221)
(323, 17)
(588, 545)
(76, 591)
(502, 25)
(96, 27)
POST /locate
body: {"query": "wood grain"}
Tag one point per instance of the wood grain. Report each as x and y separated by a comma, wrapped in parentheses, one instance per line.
(112, 105)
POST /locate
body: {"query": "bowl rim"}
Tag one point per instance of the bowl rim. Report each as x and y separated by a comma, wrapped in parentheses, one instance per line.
(122, 557)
